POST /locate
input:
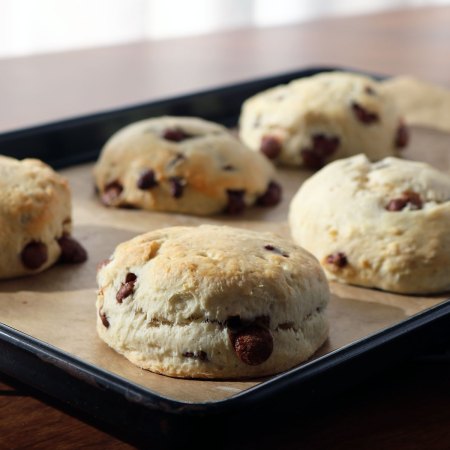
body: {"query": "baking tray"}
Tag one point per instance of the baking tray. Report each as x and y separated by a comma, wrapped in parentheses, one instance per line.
(47, 334)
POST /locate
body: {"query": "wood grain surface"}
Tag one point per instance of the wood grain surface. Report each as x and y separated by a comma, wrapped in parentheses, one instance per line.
(406, 408)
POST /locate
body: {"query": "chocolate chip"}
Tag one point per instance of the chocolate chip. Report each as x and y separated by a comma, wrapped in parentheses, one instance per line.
(272, 196)
(176, 186)
(72, 251)
(236, 203)
(127, 288)
(323, 147)
(111, 192)
(201, 355)
(175, 134)
(338, 259)
(363, 115)
(271, 248)
(410, 198)
(34, 255)
(229, 168)
(369, 90)
(312, 160)
(253, 344)
(103, 318)
(147, 180)
(270, 146)
(401, 135)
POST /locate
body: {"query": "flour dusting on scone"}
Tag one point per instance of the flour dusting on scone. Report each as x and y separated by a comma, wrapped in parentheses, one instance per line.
(186, 165)
(35, 218)
(383, 225)
(212, 302)
(314, 120)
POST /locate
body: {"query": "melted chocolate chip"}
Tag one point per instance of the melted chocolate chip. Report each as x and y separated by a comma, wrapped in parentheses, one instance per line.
(111, 192)
(401, 135)
(176, 186)
(272, 196)
(270, 146)
(127, 288)
(147, 180)
(72, 252)
(312, 160)
(175, 135)
(236, 203)
(34, 255)
(410, 198)
(338, 259)
(103, 318)
(271, 248)
(363, 115)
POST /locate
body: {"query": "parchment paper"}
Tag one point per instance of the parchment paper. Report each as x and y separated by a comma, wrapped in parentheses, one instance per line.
(58, 306)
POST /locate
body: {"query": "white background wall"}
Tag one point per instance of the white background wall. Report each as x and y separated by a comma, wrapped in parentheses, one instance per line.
(37, 26)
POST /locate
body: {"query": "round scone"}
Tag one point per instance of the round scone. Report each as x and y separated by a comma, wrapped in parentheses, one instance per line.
(35, 218)
(212, 302)
(314, 120)
(183, 164)
(383, 225)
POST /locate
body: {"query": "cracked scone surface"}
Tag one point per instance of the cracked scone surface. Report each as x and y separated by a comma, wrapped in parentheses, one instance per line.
(183, 164)
(212, 302)
(383, 225)
(314, 120)
(35, 218)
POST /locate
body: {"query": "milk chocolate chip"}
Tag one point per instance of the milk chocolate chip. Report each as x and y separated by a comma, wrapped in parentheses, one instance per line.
(271, 248)
(271, 146)
(176, 186)
(103, 318)
(252, 341)
(34, 255)
(338, 259)
(111, 192)
(175, 134)
(147, 180)
(323, 147)
(272, 196)
(236, 203)
(408, 198)
(72, 251)
(363, 115)
(401, 135)
(127, 288)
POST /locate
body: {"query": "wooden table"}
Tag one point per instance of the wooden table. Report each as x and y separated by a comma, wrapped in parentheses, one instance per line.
(406, 408)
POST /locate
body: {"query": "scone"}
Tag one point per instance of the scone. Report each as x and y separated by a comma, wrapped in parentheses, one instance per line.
(314, 120)
(35, 218)
(183, 164)
(383, 225)
(212, 302)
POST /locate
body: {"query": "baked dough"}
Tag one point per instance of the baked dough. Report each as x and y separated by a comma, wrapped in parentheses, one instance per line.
(212, 302)
(383, 225)
(35, 218)
(183, 164)
(314, 120)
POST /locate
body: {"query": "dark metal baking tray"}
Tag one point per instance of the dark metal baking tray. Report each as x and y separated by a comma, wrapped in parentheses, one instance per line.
(145, 414)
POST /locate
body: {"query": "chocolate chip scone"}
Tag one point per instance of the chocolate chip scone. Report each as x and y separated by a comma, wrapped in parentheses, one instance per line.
(212, 302)
(383, 225)
(35, 218)
(314, 120)
(183, 164)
